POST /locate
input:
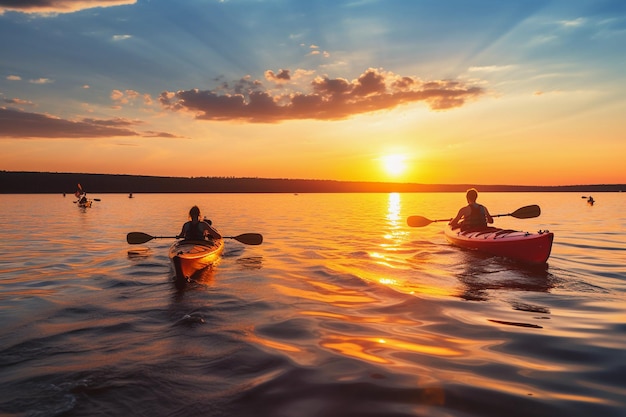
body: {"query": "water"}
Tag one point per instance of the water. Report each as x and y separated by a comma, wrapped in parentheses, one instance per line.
(342, 311)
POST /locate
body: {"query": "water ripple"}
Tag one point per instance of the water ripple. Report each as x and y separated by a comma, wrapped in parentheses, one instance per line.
(343, 311)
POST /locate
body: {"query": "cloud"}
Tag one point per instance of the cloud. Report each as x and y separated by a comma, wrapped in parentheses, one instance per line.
(129, 97)
(20, 124)
(573, 23)
(41, 81)
(281, 76)
(52, 7)
(152, 134)
(325, 99)
(19, 102)
(491, 68)
(121, 37)
(315, 50)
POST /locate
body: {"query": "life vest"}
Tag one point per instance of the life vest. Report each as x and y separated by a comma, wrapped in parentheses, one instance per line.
(194, 232)
(476, 219)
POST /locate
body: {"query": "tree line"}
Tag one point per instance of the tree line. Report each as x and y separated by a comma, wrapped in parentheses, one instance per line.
(14, 182)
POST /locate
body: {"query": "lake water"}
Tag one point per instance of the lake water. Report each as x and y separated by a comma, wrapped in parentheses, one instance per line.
(342, 311)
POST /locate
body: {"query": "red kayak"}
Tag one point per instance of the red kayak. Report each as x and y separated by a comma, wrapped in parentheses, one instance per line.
(522, 246)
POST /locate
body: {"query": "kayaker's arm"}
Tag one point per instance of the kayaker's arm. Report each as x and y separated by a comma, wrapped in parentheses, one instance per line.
(183, 232)
(214, 234)
(488, 216)
(454, 223)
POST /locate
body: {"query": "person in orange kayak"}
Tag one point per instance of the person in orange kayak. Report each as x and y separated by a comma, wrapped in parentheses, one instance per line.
(197, 229)
(474, 215)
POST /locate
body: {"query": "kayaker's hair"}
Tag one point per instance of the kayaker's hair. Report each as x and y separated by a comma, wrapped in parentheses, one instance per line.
(194, 212)
(471, 194)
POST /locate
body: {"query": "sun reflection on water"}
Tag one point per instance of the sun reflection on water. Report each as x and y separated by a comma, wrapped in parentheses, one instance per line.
(382, 350)
(393, 214)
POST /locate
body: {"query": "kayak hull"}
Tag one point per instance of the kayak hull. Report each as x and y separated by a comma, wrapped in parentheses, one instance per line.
(191, 256)
(533, 248)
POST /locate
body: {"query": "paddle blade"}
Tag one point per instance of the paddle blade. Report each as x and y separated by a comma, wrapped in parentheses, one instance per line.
(527, 212)
(248, 238)
(135, 238)
(418, 221)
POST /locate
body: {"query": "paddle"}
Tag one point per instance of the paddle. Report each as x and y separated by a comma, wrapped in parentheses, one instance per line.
(135, 238)
(525, 212)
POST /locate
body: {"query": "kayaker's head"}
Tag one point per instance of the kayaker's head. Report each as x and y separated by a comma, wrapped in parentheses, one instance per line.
(471, 195)
(194, 213)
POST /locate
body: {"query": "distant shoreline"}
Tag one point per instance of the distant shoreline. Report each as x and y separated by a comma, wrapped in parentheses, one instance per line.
(22, 182)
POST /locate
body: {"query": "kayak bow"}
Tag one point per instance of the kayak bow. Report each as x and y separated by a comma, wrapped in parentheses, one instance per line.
(191, 256)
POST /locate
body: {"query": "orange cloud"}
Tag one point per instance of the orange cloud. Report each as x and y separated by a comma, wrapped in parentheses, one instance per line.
(281, 76)
(57, 6)
(129, 97)
(327, 99)
(18, 101)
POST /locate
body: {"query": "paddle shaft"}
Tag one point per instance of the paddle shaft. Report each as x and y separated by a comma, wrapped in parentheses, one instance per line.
(246, 238)
(525, 212)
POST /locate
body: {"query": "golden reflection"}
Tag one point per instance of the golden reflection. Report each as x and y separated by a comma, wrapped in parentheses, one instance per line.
(519, 389)
(388, 281)
(583, 398)
(621, 391)
(379, 350)
(410, 285)
(354, 350)
(362, 319)
(335, 296)
(418, 348)
(273, 344)
(393, 210)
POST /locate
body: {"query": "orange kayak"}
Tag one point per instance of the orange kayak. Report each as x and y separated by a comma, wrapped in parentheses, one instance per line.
(192, 256)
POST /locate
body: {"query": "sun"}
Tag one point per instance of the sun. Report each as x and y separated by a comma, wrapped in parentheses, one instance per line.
(394, 165)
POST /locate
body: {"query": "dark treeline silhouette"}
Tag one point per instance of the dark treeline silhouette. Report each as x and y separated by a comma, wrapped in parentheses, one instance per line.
(12, 182)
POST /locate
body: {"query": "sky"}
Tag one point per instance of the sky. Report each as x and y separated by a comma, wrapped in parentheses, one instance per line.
(516, 92)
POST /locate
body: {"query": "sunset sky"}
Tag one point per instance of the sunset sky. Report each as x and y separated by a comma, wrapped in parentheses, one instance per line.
(523, 92)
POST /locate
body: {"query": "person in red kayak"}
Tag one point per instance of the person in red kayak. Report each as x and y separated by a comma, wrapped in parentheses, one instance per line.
(474, 216)
(197, 229)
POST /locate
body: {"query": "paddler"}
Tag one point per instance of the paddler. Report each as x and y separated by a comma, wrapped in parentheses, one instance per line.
(197, 229)
(474, 216)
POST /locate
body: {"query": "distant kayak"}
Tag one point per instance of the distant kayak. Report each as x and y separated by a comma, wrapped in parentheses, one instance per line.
(526, 247)
(85, 204)
(192, 256)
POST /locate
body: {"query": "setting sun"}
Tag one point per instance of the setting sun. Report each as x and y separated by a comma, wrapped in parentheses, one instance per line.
(394, 165)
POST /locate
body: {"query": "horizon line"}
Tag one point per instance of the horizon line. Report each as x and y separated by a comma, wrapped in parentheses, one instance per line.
(321, 180)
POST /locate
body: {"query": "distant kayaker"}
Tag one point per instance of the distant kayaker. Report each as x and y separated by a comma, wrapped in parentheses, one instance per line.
(474, 215)
(197, 229)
